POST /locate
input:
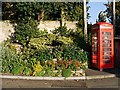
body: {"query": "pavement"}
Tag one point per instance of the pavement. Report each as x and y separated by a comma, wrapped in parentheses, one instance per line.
(92, 73)
(109, 78)
(98, 83)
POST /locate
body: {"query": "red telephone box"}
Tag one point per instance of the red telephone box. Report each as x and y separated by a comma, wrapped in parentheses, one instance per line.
(102, 46)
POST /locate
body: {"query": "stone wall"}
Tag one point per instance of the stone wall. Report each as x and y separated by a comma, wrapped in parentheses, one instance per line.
(7, 28)
(51, 25)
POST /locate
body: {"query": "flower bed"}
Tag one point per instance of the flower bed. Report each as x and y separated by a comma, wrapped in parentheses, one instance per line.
(60, 68)
(56, 61)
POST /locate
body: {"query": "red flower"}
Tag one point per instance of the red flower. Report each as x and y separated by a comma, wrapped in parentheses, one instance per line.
(70, 62)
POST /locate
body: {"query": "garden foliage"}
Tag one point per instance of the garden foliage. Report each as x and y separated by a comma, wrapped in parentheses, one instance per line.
(43, 53)
(43, 61)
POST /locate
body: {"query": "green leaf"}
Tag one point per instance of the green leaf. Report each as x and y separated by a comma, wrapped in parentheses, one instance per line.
(66, 72)
(17, 70)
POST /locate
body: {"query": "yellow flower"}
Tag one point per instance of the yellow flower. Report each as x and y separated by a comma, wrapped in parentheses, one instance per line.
(37, 68)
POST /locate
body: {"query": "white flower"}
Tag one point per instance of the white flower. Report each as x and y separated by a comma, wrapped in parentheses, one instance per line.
(82, 50)
(55, 60)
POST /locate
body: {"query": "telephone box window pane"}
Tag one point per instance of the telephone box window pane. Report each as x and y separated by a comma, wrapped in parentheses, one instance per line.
(106, 45)
(106, 33)
(106, 41)
(106, 37)
(106, 53)
(104, 49)
(95, 42)
(106, 61)
(109, 37)
(106, 57)
(107, 49)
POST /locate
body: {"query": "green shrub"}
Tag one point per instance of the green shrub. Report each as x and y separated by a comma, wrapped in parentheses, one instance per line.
(44, 55)
(38, 43)
(43, 41)
(17, 70)
(8, 57)
(70, 52)
(80, 40)
(27, 71)
(25, 31)
(64, 52)
(62, 31)
(64, 40)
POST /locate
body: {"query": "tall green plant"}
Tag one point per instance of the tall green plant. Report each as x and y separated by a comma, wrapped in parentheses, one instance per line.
(24, 31)
(109, 12)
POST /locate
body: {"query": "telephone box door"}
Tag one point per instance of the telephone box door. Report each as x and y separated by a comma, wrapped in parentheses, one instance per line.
(95, 48)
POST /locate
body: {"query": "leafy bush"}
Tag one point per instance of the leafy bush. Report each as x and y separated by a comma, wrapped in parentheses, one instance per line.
(9, 58)
(69, 52)
(25, 31)
(17, 69)
(61, 31)
(27, 71)
(69, 36)
(64, 52)
(79, 39)
(64, 40)
(38, 43)
(43, 41)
